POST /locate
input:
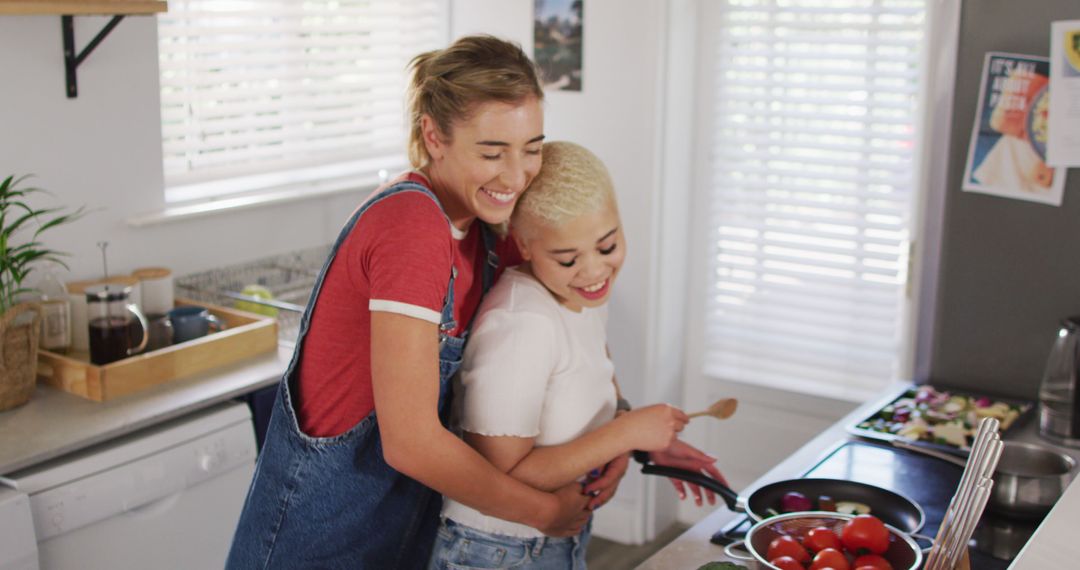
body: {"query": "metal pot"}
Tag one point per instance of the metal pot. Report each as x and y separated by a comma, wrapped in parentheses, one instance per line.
(903, 553)
(1028, 480)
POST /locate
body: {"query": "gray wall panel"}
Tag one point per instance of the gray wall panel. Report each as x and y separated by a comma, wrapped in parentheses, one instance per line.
(1010, 270)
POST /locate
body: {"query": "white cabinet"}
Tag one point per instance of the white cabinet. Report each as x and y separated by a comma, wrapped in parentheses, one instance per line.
(164, 497)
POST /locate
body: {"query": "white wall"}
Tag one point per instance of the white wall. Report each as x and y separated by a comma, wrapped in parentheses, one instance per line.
(103, 150)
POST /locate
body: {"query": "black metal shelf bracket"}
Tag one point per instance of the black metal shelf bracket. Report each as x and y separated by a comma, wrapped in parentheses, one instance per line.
(71, 59)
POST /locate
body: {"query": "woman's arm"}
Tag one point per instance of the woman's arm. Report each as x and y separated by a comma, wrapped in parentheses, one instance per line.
(404, 368)
(679, 454)
(550, 467)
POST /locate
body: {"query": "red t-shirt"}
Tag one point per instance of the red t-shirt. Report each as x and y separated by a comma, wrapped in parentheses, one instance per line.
(397, 258)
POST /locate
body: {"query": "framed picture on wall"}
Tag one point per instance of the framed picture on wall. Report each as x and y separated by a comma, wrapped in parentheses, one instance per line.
(558, 37)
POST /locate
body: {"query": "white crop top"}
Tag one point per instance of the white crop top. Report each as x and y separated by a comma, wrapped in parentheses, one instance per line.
(532, 368)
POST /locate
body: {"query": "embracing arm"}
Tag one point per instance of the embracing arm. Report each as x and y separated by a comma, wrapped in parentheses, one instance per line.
(548, 468)
(404, 367)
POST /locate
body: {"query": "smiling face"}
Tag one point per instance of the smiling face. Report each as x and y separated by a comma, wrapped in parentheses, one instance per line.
(482, 167)
(577, 260)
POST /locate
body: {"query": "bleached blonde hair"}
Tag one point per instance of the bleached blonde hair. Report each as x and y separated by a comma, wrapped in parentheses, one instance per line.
(572, 182)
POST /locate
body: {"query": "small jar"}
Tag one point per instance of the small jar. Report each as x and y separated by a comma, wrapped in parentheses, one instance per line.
(56, 313)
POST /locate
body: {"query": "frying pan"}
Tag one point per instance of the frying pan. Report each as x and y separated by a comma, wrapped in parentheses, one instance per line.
(892, 508)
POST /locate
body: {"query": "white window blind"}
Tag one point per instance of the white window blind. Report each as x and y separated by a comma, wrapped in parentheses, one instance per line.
(811, 121)
(266, 94)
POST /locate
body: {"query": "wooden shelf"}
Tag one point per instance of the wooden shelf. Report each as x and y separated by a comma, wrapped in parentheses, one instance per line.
(81, 8)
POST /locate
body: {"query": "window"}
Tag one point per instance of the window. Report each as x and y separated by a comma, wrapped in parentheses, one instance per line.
(272, 95)
(812, 121)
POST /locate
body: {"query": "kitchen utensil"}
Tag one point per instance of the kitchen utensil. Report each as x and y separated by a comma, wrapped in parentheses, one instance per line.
(1028, 480)
(721, 409)
(970, 499)
(192, 321)
(891, 507)
(1059, 394)
(114, 324)
(903, 553)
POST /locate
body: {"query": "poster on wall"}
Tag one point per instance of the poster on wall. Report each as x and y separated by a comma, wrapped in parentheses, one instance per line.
(1007, 155)
(557, 37)
(1063, 148)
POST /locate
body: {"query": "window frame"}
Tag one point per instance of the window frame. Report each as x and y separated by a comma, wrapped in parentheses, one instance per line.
(934, 121)
(307, 182)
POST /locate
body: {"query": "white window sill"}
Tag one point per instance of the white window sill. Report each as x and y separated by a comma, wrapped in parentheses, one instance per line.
(246, 202)
(256, 191)
(795, 399)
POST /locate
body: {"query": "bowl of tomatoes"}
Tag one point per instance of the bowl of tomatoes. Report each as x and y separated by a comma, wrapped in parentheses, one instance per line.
(819, 540)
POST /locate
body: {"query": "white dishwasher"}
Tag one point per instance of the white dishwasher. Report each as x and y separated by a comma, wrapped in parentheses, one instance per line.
(168, 496)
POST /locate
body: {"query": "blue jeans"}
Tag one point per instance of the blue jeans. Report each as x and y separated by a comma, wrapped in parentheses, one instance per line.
(459, 547)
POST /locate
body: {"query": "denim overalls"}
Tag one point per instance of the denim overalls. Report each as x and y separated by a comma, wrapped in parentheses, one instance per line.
(333, 502)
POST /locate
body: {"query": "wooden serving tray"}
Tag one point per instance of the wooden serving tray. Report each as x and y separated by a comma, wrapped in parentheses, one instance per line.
(246, 335)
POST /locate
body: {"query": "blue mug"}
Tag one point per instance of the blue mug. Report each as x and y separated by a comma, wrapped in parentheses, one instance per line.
(191, 322)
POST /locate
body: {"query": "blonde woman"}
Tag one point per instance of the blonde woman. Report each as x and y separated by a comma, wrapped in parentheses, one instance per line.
(539, 394)
(357, 451)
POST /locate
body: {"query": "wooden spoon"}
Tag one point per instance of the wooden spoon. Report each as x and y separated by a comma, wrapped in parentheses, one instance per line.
(721, 409)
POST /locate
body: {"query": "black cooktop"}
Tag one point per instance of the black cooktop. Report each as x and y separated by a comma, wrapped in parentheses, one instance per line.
(928, 481)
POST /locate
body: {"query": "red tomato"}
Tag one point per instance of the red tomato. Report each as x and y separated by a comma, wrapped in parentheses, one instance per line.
(865, 533)
(787, 546)
(872, 561)
(786, 563)
(830, 558)
(820, 538)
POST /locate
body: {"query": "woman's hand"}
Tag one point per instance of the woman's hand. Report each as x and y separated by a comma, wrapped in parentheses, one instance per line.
(685, 456)
(652, 428)
(602, 489)
(572, 512)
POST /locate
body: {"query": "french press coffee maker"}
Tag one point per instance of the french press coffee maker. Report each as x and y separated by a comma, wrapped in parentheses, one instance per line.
(118, 328)
(1059, 395)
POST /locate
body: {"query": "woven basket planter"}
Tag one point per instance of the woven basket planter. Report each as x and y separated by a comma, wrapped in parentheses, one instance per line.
(18, 353)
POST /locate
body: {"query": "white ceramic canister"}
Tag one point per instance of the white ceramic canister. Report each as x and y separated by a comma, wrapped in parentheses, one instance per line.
(157, 289)
(80, 333)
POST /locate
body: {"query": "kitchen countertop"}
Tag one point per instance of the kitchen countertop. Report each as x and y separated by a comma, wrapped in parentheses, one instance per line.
(1052, 546)
(1054, 543)
(54, 423)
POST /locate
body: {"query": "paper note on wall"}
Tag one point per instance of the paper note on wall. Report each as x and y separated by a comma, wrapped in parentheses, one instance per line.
(1007, 154)
(1063, 143)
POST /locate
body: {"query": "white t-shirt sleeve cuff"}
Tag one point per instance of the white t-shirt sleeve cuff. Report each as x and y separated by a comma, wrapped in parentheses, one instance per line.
(415, 311)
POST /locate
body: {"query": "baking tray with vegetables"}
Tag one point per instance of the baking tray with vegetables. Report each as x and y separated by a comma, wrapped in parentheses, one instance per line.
(944, 417)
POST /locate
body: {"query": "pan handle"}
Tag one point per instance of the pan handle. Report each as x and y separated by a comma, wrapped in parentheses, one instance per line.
(700, 479)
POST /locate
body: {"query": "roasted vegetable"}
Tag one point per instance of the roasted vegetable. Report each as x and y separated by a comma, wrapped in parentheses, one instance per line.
(927, 414)
(852, 508)
(795, 501)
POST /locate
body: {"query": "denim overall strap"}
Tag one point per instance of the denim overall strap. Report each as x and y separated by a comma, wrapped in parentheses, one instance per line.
(333, 502)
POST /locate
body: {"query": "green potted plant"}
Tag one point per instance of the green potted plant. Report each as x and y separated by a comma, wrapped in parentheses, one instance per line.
(20, 252)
